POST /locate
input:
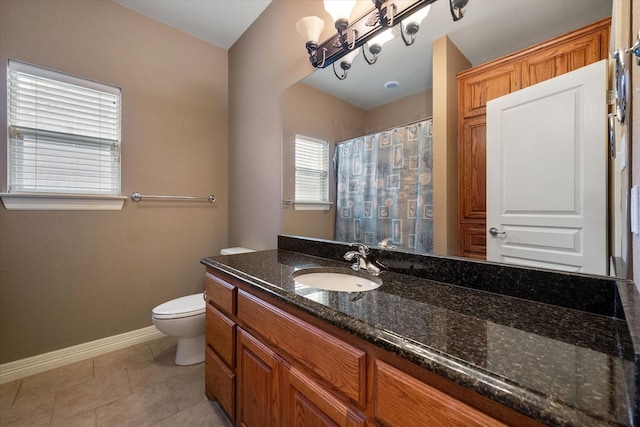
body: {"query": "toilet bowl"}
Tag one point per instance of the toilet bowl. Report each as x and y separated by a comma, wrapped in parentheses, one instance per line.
(183, 318)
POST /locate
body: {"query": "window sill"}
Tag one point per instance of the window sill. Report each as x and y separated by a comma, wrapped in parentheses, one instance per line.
(61, 202)
(311, 206)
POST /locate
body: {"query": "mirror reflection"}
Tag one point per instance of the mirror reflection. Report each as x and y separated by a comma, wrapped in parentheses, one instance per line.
(390, 99)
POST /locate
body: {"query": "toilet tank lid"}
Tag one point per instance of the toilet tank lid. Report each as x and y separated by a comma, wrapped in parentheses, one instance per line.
(235, 250)
(189, 305)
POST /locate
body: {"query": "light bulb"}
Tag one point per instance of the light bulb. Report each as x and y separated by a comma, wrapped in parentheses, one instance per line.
(419, 16)
(310, 28)
(382, 38)
(340, 10)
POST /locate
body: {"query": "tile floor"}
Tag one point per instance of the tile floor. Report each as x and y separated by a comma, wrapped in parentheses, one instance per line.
(135, 386)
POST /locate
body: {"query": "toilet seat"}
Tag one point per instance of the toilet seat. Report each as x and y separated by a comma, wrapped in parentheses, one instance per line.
(191, 305)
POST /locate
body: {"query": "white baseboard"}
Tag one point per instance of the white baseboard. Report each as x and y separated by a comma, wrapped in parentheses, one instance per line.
(66, 356)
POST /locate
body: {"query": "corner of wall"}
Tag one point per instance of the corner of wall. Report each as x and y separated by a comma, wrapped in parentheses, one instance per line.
(447, 62)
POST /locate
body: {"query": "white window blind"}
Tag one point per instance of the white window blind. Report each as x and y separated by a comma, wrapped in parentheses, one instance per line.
(64, 133)
(312, 170)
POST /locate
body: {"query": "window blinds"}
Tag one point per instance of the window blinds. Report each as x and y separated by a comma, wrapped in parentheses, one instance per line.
(64, 133)
(312, 170)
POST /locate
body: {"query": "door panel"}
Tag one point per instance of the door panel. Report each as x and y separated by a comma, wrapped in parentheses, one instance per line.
(547, 173)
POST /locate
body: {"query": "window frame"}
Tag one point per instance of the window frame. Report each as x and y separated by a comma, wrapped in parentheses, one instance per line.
(309, 203)
(63, 200)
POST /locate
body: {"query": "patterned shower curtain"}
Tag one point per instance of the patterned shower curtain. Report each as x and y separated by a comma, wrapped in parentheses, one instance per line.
(385, 188)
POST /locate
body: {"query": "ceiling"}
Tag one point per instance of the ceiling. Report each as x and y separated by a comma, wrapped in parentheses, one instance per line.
(219, 22)
(489, 29)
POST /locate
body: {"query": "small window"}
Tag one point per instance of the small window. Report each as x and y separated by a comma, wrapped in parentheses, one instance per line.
(64, 133)
(312, 171)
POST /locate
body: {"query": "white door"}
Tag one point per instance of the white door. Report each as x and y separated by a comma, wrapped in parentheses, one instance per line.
(547, 174)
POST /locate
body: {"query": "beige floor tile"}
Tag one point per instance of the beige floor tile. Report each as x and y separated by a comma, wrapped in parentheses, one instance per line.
(83, 419)
(139, 409)
(56, 379)
(155, 371)
(32, 411)
(8, 393)
(203, 414)
(187, 389)
(91, 394)
(120, 359)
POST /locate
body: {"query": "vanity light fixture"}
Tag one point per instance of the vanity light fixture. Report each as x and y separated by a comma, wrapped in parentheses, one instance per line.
(340, 10)
(410, 29)
(310, 28)
(456, 7)
(365, 30)
(345, 64)
(375, 45)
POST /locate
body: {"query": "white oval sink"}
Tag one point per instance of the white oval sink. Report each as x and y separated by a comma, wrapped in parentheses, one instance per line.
(336, 279)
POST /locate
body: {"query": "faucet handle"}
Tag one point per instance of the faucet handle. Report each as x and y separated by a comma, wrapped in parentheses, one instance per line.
(362, 248)
(385, 243)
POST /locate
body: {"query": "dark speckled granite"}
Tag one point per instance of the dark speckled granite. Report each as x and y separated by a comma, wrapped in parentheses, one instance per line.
(561, 365)
(597, 294)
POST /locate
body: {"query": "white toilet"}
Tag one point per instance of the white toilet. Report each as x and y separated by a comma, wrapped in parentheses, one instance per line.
(184, 318)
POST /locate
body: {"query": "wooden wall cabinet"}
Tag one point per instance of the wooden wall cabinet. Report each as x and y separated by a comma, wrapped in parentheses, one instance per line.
(483, 83)
(291, 370)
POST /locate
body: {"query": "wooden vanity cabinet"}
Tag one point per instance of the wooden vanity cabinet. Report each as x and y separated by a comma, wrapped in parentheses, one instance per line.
(292, 369)
(220, 339)
(485, 82)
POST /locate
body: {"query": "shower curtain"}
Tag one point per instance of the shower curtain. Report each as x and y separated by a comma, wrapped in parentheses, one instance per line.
(385, 188)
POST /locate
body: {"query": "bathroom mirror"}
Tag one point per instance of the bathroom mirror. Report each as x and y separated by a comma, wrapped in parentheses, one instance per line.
(324, 107)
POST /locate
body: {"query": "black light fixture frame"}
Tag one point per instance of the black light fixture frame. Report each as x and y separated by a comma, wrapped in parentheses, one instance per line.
(364, 28)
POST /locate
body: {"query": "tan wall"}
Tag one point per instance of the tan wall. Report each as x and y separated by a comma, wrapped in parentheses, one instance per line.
(267, 59)
(635, 131)
(72, 277)
(447, 62)
(310, 112)
(406, 110)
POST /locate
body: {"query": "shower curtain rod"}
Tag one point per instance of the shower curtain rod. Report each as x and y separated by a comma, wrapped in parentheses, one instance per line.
(386, 130)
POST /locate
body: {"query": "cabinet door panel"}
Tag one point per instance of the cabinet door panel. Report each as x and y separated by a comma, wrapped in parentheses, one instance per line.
(307, 404)
(258, 383)
(473, 240)
(562, 58)
(401, 400)
(476, 90)
(473, 169)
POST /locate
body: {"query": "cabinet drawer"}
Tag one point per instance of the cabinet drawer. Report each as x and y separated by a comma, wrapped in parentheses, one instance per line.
(221, 293)
(221, 335)
(220, 383)
(402, 400)
(340, 365)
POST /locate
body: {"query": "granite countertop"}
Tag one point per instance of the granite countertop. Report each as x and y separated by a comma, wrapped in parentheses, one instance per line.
(558, 365)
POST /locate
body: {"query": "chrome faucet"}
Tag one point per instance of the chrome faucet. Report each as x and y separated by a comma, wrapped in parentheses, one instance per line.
(385, 243)
(361, 261)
